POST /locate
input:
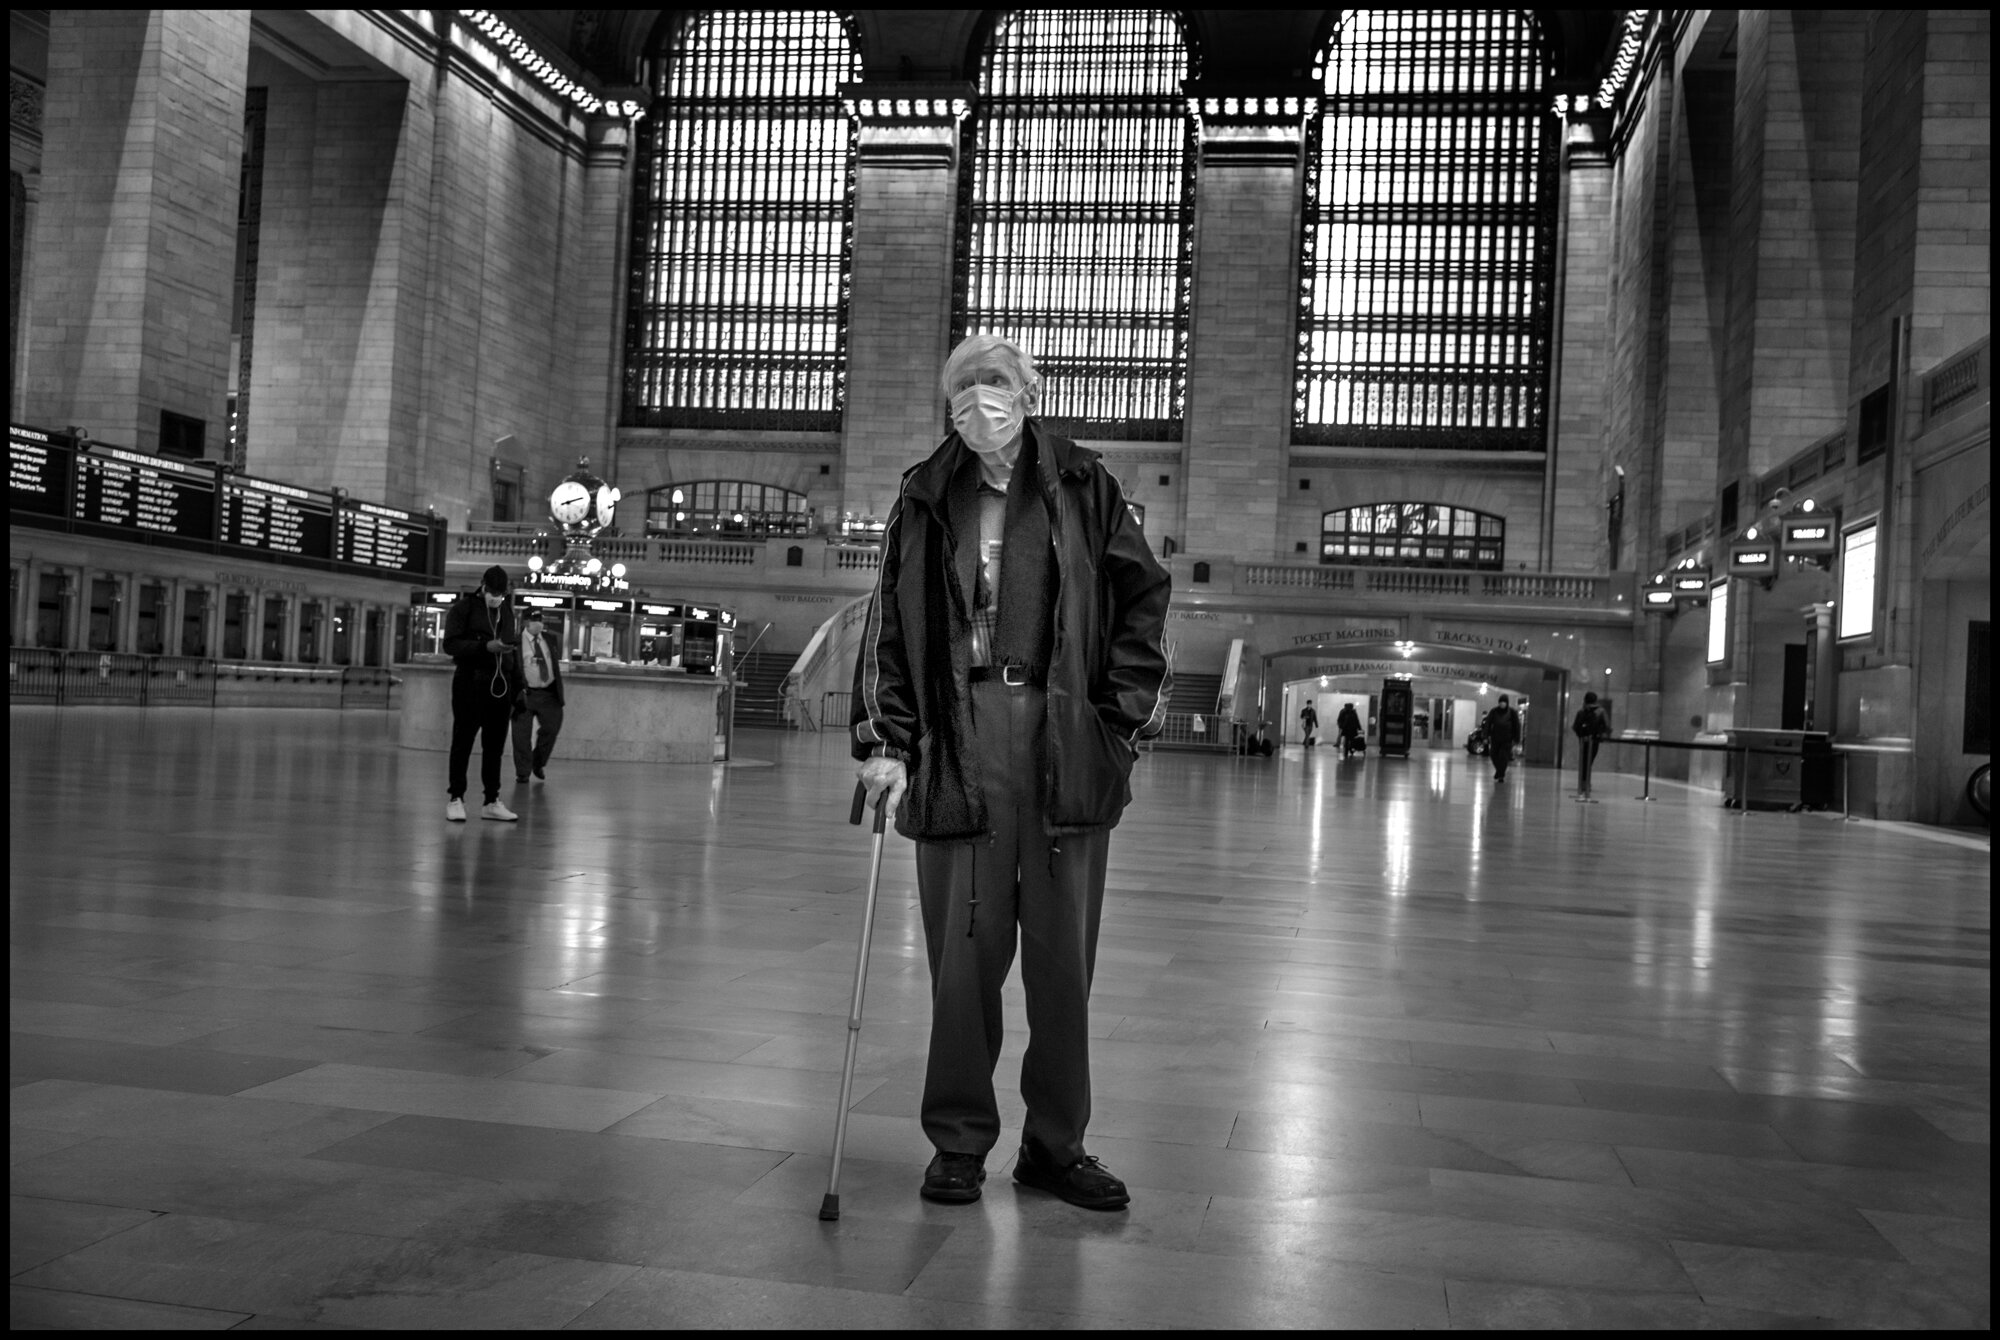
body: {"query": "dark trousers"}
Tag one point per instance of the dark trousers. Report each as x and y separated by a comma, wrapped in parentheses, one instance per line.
(476, 712)
(1586, 754)
(1502, 755)
(530, 753)
(975, 895)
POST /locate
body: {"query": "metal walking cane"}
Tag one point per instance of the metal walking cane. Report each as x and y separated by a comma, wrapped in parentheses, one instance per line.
(829, 1207)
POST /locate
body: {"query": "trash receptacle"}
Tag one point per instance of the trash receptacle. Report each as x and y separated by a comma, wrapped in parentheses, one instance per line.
(1773, 774)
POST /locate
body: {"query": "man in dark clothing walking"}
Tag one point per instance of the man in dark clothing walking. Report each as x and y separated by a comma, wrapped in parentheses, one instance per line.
(541, 700)
(1503, 732)
(1010, 664)
(1348, 723)
(479, 636)
(1591, 726)
(1309, 722)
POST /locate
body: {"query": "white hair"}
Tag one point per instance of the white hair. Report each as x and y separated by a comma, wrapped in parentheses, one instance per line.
(994, 349)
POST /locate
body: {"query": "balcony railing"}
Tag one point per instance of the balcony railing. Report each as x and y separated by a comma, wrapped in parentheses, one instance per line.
(508, 543)
(1542, 588)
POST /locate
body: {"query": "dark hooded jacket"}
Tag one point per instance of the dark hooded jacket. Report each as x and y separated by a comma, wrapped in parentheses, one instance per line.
(1108, 677)
(468, 627)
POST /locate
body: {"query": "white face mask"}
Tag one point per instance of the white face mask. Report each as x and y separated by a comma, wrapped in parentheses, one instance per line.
(987, 417)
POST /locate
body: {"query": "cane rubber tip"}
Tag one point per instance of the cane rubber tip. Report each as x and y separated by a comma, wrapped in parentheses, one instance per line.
(829, 1206)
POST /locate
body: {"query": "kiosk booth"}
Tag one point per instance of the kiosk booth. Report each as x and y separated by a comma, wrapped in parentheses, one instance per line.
(644, 680)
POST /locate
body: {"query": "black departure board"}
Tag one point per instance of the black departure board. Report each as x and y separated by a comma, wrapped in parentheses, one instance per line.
(384, 539)
(275, 518)
(155, 494)
(56, 482)
(38, 471)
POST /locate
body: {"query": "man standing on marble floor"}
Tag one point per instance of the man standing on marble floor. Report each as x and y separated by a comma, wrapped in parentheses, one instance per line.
(1011, 661)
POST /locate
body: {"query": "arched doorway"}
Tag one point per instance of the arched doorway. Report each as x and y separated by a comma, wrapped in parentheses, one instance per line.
(1544, 685)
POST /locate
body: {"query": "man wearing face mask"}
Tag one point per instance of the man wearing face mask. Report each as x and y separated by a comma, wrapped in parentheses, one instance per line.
(1011, 662)
(479, 635)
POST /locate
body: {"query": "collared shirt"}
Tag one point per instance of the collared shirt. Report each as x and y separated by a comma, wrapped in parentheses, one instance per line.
(986, 589)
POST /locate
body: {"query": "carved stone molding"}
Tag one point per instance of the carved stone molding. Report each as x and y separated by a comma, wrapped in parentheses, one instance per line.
(24, 104)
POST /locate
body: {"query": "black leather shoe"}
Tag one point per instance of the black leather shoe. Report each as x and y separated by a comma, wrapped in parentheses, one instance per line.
(954, 1178)
(1086, 1182)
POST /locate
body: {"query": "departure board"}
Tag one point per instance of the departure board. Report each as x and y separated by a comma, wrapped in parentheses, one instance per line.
(275, 518)
(38, 466)
(55, 482)
(384, 539)
(155, 494)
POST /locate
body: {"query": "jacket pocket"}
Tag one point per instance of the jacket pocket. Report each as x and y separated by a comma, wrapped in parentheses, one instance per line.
(1093, 777)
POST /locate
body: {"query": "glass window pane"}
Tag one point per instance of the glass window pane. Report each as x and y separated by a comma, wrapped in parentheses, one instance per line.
(740, 252)
(1427, 248)
(1077, 213)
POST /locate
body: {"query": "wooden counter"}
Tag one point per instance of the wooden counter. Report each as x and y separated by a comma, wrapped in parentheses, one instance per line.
(618, 713)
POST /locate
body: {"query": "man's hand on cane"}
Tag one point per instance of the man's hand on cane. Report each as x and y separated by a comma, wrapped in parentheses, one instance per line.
(884, 774)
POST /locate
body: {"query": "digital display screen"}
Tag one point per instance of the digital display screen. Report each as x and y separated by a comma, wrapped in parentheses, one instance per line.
(38, 466)
(372, 536)
(156, 494)
(277, 518)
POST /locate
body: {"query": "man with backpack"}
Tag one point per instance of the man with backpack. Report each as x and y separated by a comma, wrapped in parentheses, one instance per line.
(1503, 732)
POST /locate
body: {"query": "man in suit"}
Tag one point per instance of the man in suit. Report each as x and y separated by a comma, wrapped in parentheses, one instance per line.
(541, 701)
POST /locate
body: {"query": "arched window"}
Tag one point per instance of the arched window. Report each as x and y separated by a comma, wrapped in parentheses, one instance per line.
(1413, 535)
(732, 509)
(1428, 248)
(1077, 210)
(742, 221)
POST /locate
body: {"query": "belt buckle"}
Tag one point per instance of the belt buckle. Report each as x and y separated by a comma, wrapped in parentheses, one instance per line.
(1007, 673)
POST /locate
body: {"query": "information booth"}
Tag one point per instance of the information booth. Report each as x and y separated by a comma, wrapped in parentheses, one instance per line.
(645, 681)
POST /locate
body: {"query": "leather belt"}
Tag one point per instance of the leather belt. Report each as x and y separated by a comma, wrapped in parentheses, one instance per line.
(1014, 676)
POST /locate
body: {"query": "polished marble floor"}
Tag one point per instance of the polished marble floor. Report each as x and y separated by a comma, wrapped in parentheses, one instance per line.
(1376, 1044)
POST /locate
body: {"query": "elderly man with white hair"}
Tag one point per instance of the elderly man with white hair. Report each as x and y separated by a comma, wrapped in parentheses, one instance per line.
(1011, 663)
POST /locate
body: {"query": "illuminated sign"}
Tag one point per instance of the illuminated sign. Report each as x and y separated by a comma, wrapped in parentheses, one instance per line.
(1753, 560)
(38, 471)
(55, 482)
(1660, 597)
(1818, 534)
(1690, 581)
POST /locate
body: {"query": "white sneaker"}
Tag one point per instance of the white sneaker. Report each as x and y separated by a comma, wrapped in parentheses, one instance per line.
(454, 810)
(495, 810)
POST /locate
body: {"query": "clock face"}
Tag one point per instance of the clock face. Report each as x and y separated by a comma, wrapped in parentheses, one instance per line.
(607, 503)
(570, 503)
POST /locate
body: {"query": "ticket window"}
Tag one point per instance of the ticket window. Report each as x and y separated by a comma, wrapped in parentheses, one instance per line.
(343, 635)
(271, 633)
(104, 602)
(426, 635)
(194, 622)
(659, 641)
(312, 626)
(49, 621)
(236, 626)
(599, 634)
(699, 640)
(151, 632)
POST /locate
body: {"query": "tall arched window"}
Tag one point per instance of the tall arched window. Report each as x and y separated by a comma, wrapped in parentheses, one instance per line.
(1077, 210)
(1428, 249)
(742, 225)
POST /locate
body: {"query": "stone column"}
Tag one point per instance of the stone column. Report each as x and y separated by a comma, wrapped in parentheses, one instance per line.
(1246, 301)
(135, 234)
(899, 308)
(333, 382)
(602, 248)
(1791, 283)
(1577, 459)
